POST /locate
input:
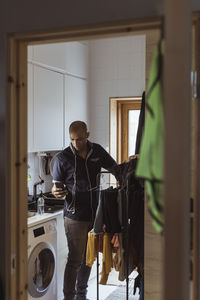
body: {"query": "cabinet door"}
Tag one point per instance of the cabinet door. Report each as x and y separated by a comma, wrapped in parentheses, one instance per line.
(77, 59)
(76, 102)
(30, 107)
(48, 110)
(51, 55)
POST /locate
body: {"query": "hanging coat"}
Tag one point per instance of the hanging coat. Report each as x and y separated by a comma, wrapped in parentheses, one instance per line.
(150, 164)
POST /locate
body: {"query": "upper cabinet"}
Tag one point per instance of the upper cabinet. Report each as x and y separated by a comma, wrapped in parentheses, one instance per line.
(45, 109)
(69, 58)
(77, 59)
(76, 102)
(50, 55)
(48, 110)
(57, 93)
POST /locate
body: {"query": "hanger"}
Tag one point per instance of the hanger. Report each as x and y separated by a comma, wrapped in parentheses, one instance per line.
(98, 187)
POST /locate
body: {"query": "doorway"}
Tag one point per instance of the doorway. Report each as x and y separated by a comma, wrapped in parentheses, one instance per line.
(19, 133)
(19, 136)
(72, 81)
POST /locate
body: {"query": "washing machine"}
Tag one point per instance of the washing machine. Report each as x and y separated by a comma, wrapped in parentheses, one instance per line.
(42, 267)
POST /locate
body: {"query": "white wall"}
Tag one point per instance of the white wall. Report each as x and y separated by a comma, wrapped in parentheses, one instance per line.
(117, 68)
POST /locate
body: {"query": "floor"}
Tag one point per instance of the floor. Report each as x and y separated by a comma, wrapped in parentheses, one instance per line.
(113, 290)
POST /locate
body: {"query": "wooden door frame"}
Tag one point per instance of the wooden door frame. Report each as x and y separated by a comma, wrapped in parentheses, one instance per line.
(17, 103)
(177, 65)
(115, 123)
(195, 157)
(16, 260)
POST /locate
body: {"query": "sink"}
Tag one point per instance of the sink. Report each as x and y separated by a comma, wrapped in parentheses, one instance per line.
(31, 214)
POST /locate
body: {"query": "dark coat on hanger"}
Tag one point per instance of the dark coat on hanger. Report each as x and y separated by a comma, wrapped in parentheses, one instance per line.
(133, 188)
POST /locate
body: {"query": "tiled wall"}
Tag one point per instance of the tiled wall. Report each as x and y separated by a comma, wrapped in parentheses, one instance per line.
(117, 68)
(36, 169)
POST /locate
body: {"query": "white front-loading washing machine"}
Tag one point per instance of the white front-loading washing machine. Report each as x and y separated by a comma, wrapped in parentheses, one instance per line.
(42, 267)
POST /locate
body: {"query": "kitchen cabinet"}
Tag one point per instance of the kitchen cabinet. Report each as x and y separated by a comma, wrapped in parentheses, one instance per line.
(70, 58)
(50, 55)
(77, 59)
(76, 102)
(57, 93)
(47, 110)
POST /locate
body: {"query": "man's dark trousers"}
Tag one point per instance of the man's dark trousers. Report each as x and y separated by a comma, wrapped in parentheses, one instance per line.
(76, 272)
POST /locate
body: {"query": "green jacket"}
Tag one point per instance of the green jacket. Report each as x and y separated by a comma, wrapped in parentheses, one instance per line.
(150, 164)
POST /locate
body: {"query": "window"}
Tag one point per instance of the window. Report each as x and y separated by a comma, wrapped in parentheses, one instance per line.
(124, 117)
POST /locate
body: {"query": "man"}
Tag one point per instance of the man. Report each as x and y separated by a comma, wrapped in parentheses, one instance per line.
(77, 167)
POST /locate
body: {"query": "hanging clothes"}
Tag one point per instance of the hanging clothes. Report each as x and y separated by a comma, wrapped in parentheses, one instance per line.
(107, 261)
(115, 208)
(140, 125)
(100, 243)
(150, 165)
(119, 260)
(94, 245)
(106, 219)
(131, 206)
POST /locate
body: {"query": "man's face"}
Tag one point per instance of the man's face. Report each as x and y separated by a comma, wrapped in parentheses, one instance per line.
(79, 139)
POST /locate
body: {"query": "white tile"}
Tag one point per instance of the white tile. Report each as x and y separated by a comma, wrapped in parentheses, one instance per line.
(129, 88)
(123, 43)
(123, 67)
(99, 110)
(137, 44)
(98, 136)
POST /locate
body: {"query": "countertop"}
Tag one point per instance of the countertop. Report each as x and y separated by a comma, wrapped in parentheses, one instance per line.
(38, 219)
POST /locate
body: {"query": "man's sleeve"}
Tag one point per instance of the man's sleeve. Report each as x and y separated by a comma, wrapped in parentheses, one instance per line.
(57, 171)
(107, 161)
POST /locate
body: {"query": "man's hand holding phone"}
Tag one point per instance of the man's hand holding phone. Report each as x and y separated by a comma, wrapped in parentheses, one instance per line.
(59, 190)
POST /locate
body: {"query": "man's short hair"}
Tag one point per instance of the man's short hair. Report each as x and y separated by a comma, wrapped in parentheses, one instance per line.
(77, 125)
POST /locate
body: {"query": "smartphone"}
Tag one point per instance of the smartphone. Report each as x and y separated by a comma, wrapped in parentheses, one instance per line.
(60, 185)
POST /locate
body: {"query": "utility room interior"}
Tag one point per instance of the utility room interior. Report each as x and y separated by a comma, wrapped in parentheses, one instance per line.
(80, 80)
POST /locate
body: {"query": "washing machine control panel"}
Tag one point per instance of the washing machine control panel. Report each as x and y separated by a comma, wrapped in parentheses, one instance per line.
(51, 227)
(42, 229)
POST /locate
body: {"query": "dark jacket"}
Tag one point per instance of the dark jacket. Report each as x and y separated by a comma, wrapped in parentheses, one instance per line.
(80, 177)
(140, 125)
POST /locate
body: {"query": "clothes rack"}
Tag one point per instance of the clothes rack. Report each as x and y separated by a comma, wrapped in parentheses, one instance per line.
(124, 231)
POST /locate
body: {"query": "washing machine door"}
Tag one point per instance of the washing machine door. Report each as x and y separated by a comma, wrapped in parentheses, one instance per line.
(41, 269)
